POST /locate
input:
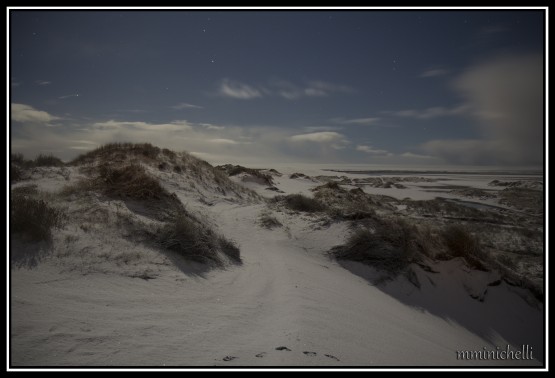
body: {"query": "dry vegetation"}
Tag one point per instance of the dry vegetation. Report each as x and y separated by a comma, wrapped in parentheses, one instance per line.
(438, 229)
(234, 170)
(392, 243)
(389, 245)
(19, 166)
(117, 152)
(32, 217)
(525, 199)
(16, 173)
(300, 203)
(345, 204)
(129, 181)
(267, 220)
(195, 241)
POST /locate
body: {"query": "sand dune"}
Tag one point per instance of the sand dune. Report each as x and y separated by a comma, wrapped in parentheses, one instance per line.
(100, 295)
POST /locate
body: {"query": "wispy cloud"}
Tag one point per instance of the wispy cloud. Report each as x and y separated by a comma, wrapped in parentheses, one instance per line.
(184, 105)
(82, 145)
(411, 155)
(432, 112)
(319, 88)
(332, 139)
(27, 114)
(43, 82)
(316, 88)
(68, 96)
(172, 126)
(434, 72)
(373, 151)
(358, 121)
(223, 141)
(312, 129)
(237, 90)
(209, 126)
(281, 88)
(319, 137)
(285, 89)
(132, 110)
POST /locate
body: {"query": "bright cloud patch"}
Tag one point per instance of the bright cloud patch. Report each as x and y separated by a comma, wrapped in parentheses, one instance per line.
(281, 88)
(372, 151)
(223, 141)
(27, 114)
(233, 89)
(432, 112)
(320, 137)
(173, 126)
(359, 121)
(184, 105)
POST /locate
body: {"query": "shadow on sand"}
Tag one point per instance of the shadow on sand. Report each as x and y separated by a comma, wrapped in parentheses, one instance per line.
(28, 254)
(479, 301)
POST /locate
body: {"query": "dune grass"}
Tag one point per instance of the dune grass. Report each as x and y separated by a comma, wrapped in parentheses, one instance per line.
(118, 151)
(195, 241)
(300, 202)
(33, 218)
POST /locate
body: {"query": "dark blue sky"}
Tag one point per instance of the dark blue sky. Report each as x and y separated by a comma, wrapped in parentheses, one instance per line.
(366, 86)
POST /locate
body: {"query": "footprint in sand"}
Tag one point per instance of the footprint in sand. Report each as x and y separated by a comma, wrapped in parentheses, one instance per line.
(311, 354)
(283, 348)
(332, 357)
(229, 358)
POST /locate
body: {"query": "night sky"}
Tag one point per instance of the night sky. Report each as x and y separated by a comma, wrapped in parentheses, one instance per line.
(403, 87)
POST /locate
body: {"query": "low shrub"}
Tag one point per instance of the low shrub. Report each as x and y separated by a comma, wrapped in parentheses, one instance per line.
(267, 220)
(461, 243)
(25, 190)
(16, 173)
(299, 202)
(507, 262)
(42, 160)
(229, 248)
(47, 161)
(194, 241)
(169, 153)
(120, 150)
(17, 158)
(332, 185)
(390, 245)
(131, 181)
(33, 217)
(234, 170)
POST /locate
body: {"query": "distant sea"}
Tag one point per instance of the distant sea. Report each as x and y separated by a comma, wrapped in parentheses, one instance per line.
(388, 170)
